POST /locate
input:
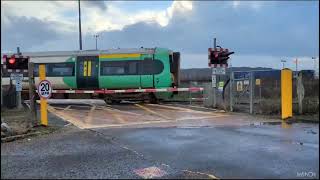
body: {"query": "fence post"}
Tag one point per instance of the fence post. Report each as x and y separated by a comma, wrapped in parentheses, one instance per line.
(300, 92)
(214, 93)
(231, 91)
(251, 91)
(32, 97)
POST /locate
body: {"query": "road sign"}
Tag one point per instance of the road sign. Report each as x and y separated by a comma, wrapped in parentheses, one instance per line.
(45, 89)
(18, 85)
(214, 81)
(16, 76)
(219, 70)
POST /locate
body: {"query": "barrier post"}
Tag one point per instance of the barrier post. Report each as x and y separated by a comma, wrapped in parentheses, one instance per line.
(43, 101)
(286, 93)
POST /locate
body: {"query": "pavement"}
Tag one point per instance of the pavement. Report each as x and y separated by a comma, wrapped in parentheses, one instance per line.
(132, 140)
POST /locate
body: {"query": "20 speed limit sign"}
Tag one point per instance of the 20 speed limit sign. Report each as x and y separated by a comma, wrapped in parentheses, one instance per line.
(44, 89)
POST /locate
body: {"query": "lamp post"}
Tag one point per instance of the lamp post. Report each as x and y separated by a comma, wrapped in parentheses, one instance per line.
(96, 36)
(80, 36)
(283, 62)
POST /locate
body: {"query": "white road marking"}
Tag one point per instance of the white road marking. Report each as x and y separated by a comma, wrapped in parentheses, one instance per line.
(152, 112)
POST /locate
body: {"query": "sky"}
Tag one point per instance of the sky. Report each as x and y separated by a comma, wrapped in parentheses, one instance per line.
(261, 33)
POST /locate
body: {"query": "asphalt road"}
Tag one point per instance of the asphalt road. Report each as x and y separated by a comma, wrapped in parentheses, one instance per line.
(230, 146)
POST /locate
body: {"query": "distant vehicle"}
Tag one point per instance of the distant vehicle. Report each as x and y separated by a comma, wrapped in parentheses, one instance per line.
(107, 69)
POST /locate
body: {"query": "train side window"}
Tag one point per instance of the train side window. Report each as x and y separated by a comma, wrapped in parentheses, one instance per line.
(113, 70)
(132, 68)
(119, 67)
(56, 69)
(149, 67)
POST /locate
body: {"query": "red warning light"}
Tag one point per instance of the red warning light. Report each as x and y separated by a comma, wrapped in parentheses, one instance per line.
(12, 60)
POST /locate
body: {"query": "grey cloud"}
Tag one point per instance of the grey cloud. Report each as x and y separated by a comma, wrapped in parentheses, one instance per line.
(274, 30)
(97, 4)
(25, 32)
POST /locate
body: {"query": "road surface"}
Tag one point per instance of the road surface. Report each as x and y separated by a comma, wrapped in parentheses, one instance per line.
(133, 140)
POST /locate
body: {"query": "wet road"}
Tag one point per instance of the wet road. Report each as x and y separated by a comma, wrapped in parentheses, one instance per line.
(141, 141)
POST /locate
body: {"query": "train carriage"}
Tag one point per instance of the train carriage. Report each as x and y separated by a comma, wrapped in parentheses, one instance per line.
(107, 69)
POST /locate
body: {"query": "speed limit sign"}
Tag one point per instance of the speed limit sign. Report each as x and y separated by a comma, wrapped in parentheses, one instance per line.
(44, 89)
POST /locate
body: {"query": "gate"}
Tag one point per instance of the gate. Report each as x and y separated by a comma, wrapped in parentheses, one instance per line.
(256, 92)
(241, 91)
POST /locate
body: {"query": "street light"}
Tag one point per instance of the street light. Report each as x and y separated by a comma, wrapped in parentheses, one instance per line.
(80, 36)
(283, 62)
(96, 36)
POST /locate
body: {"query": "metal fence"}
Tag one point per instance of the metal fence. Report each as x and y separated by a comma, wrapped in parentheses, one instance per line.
(255, 92)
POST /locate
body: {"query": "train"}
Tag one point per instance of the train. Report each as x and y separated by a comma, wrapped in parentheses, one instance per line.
(135, 68)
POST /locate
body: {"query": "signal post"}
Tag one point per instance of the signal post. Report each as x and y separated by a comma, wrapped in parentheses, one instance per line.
(16, 65)
(218, 61)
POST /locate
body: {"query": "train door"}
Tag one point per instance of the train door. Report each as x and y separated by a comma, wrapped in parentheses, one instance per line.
(146, 79)
(87, 72)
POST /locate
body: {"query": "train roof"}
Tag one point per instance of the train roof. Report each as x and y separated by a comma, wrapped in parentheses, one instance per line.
(86, 52)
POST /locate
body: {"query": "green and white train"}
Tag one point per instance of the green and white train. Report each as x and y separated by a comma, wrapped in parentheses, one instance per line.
(139, 68)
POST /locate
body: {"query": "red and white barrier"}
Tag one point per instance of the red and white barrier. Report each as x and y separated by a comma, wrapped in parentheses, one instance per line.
(106, 91)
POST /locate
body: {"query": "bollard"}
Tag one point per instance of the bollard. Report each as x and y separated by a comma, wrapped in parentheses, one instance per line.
(286, 93)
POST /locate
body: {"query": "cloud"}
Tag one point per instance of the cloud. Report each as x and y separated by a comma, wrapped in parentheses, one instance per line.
(96, 4)
(304, 62)
(270, 30)
(26, 32)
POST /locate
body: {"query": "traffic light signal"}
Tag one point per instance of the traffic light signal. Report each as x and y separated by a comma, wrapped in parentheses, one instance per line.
(15, 62)
(220, 57)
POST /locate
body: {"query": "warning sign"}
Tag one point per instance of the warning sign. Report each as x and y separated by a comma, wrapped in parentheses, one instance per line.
(44, 89)
(239, 86)
(221, 84)
(258, 82)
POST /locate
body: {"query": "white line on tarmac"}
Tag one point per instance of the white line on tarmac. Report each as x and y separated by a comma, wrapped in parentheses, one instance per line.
(169, 107)
(186, 109)
(67, 118)
(126, 112)
(151, 111)
(67, 108)
(153, 122)
(209, 175)
(89, 116)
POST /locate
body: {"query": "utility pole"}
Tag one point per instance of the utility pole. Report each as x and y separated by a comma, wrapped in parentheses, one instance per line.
(96, 36)
(80, 36)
